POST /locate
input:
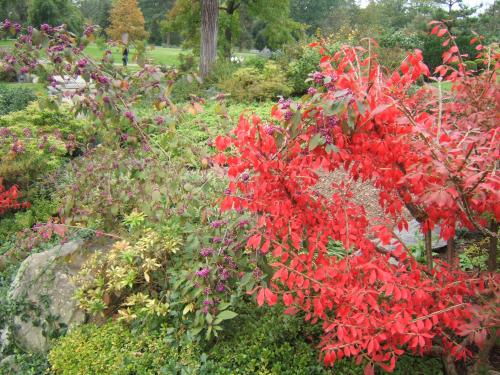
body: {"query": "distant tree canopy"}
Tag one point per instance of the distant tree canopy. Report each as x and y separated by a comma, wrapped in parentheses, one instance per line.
(16, 10)
(126, 17)
(154, 13)
(95, 11)
(55, 12)
(245, 23)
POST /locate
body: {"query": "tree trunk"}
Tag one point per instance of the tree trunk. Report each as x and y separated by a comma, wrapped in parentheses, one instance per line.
(209, 25)
(428, 248)
(450, 250)
(492, 253)
(228, 33)
(231, 7)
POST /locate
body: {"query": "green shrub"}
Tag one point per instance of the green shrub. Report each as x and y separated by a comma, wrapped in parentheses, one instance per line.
(221, 71)
(409, 364)
(133, 274)
(250, 84)
(15, 98)
(471, 65)
(40, 211)
(257, 62)
(184, 88)
(187, 62)
(300, 68)
(265, 341)
(26, 158)
(113, 349)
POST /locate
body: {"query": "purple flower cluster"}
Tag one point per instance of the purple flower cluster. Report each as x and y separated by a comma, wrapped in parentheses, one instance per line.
(89, 30)
(206, 251)
(223, 274)
(326, 128)
(312, 91)
(18, 147)
(130, 116)
(318, 77)
(257, 273)
(269, 129)
(218, 223)
(6, 25)
(284, 103)
(82, 63)
(220, 287)
(216, 239)
(4, 132)
(203, 272)
(46, 28)
(159, 120)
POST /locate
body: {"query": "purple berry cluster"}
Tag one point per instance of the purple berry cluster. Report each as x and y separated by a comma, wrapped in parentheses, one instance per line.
(325, 128)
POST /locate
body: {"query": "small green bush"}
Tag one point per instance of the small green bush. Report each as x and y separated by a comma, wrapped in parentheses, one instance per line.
(221, 71)
(300, 68)
(40, 211)
(257, 62)
(26, 158)
(267, 342)
(113, 349)
(184, 88)
(15, 98)
(250, 84)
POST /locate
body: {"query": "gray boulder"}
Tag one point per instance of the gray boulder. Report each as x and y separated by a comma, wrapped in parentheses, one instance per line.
(413, 236)
(44, 291)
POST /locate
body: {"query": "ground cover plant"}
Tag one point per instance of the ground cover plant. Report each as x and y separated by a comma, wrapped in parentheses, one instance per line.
(204, 215)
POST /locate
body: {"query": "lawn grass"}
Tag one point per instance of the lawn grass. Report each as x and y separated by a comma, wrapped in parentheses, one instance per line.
(159, 55)
(38, 88)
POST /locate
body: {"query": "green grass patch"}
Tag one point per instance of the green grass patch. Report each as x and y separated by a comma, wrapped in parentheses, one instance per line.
(159, 55)
(38, 88)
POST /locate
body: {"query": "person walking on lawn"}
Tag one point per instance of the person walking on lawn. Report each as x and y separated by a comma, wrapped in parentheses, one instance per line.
(125, 56)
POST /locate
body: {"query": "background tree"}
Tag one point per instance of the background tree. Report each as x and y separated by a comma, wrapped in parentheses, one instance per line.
(313, 12)
(237, 18)
(16, 10)
(154, 12)
(209, 26)
(95, 11)
(126, 17)
(55, 12)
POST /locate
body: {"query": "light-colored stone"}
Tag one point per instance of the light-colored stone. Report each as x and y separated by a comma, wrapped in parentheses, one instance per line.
(413, 236)
(46, 277)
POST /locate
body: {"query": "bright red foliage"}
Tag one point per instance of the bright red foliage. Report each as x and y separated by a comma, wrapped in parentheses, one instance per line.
(9, 199)
(435, 153)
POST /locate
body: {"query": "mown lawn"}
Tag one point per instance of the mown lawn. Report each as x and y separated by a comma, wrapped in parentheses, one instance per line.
(38, 88)
(159, 55)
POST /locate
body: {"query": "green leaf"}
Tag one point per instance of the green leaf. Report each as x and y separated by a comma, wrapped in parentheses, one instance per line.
(156, 196)
(331, 148)
(209, 318)
(315, 141)
(226, 315)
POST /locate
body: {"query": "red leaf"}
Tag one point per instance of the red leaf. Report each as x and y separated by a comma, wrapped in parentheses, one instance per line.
(441, 32)
(222, 143)
(261, 297)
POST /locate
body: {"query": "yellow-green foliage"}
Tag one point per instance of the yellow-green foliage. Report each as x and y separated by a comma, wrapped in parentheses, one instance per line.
(129, 277)
(475, 256)
(113, 350)
(251, 84)
(42, 135)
